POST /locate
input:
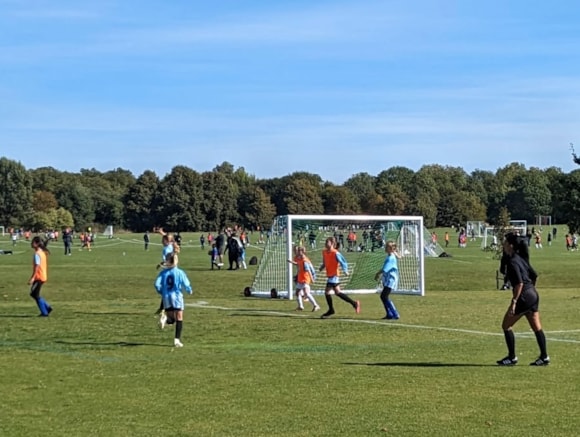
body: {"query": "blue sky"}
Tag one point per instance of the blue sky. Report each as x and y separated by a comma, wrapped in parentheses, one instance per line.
(330, 87)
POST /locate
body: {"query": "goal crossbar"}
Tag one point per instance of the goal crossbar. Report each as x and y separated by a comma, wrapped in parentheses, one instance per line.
(365, 255)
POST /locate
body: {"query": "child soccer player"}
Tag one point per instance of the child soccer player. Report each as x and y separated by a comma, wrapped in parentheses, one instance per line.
(214, 254)
(390, 279)
(306, 275)
(39, 275)
(332, 262)
(169, 247)
(170, 284)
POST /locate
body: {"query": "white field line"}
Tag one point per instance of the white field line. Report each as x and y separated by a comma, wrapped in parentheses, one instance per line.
(390, 324)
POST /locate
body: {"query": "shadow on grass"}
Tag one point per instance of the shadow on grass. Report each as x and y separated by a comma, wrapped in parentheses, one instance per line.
(109, 343)
(420, 364)
(17, 316)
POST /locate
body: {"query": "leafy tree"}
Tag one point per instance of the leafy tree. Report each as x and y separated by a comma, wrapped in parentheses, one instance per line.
(49, 179)
(255, 208)
(140, 208)
(220, 199)
(571, 204)
(339, 200)
(391, 200)
(301, 196)
(362, 185)
(16, 192)
(179, 203)
(44, 201)
(529, 195)
(77, 199)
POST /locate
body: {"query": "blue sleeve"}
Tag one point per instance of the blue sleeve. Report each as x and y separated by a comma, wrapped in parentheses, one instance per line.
(185, 281)
(390, 264)
(159, 283)
(342, 261)
(310, 269)
(36, 259)
(166, 251)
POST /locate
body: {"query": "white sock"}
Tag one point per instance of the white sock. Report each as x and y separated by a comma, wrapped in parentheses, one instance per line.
(311, 300)
(299, 299)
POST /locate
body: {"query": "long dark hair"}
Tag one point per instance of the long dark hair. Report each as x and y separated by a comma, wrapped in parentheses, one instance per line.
(520, 245)
(40, 243)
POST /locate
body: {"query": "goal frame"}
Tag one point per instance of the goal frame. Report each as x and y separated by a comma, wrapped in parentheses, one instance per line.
(354, 219)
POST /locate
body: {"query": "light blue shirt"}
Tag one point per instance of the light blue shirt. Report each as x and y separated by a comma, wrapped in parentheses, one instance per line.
(391, 272)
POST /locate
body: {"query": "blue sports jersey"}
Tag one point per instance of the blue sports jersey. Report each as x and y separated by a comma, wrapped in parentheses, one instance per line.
(166, 251)
(390, 272)
(170, 284)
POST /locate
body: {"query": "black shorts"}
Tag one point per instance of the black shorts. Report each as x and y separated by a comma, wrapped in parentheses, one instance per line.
(528, 302)
(35, 288)
(332, 285)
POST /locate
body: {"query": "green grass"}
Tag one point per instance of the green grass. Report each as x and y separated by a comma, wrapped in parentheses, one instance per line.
(100, 366)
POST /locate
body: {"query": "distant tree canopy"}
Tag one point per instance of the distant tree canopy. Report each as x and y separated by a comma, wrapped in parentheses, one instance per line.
(186, 200)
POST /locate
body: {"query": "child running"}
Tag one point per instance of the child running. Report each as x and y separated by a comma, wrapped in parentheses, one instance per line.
(39, 275)
(170, 284)
(305, 276)
(390, 278)
(170, 246)
(332, 262)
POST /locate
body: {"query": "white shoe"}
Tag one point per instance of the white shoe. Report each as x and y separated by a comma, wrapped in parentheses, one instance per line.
(177, 343)
(316, 308)
(162, 319)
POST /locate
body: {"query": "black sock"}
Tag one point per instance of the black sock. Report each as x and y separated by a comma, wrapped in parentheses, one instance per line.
(346, 298)
(178, 327)
(329, 302)
(541, 338)
(510, 341)
(161, 305)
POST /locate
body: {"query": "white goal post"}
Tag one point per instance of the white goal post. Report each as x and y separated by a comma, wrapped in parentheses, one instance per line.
(2, 230)
(362, 241)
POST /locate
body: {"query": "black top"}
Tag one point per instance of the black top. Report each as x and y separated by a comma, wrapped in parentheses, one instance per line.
(520, 272)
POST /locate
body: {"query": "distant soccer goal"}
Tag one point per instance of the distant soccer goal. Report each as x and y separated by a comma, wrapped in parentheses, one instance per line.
(544, 220)
(108, 232)
(475, 229)
(492, 238)
(2, 230)
(362, 241)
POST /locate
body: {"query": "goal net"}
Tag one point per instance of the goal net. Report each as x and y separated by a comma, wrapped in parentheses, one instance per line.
(493, 236)
(475, 229)
(108, 232)
(362, 242)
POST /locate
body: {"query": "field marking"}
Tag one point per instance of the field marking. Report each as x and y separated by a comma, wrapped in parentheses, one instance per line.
(385, 323)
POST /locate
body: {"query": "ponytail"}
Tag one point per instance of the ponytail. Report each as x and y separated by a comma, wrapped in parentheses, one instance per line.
(40, 244)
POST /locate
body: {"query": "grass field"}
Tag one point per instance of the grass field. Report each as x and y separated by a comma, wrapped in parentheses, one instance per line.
(100, 366)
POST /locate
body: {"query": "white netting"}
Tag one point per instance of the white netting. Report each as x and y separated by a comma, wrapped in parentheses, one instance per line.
(362, 240)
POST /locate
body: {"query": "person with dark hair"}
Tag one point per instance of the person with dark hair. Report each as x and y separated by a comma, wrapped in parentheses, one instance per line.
(525, 300)
(39, 274)
(233, 247)
(170, 284)
(146, 240)
(67, 241)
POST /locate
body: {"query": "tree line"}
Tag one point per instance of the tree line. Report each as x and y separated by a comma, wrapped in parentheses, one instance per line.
(187, 200)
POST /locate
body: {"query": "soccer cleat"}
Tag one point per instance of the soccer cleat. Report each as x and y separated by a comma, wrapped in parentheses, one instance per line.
(177, 343)
(357, 306)
(507, 361)
(316, 308)
(299, 309)
(541, 361)
(162, 320)
(327, 314)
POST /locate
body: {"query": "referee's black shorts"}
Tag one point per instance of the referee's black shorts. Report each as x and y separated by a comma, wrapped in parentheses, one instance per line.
(528, 301)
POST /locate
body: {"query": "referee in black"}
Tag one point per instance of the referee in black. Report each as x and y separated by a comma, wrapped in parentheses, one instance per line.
(525, 300)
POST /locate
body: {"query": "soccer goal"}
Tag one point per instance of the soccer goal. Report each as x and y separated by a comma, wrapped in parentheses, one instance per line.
(475, 229)
(362, 241)
(108, 232)
(544, 220)
(2, 230)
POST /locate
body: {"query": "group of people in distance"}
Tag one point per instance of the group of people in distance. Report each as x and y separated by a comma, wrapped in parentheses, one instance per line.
(172, 281)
